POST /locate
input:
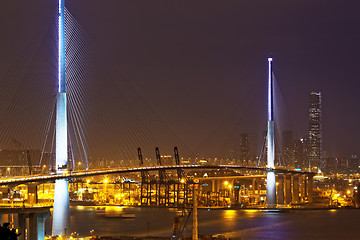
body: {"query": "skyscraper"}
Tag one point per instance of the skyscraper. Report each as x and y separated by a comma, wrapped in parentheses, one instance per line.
(299, 153)
(315, 132)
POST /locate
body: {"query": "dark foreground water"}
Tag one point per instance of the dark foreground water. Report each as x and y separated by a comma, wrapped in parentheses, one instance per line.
(247, 224)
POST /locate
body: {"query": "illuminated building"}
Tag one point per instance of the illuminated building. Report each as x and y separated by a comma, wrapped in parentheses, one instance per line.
(315, 132)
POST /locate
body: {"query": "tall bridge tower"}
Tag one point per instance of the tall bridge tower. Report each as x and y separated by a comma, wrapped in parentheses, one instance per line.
(61, 213)
(271, 182)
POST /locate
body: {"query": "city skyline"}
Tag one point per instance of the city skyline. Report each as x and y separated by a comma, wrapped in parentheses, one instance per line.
(208, 59)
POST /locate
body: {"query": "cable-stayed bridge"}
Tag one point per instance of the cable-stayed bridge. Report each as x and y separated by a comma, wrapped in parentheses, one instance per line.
(71, 119)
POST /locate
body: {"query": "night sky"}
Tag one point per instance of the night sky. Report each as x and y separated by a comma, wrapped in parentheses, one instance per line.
(199, 63)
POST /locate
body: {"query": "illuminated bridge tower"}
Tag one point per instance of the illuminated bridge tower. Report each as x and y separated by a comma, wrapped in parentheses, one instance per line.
(61, 214)
(271, 182)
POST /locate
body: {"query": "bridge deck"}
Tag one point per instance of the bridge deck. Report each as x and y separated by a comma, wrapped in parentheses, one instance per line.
(77, 174)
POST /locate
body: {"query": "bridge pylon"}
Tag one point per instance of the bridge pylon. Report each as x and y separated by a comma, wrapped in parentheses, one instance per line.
(61, 212)
(271, 181)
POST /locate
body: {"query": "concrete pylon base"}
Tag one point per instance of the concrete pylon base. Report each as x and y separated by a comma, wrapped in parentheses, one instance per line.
(61, 214)
(271, 190)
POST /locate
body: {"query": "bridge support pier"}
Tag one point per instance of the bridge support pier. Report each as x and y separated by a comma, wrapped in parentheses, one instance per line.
(295, 196)
(271, 190)
(280, 189)
(21, 225)
(302, 188)
(36, 225)
(61, 212)
(287, 189)
(33, 227)
(41, 217)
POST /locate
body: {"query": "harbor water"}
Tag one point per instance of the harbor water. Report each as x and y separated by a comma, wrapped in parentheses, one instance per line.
(246, 224)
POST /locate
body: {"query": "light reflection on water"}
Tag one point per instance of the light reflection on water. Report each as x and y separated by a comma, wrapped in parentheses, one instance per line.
(247, 224)
(230, 214)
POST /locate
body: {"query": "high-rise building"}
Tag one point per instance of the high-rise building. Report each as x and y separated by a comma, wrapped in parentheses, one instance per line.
(299, 153)
(315, 132)
(288, 146)
(244, 148)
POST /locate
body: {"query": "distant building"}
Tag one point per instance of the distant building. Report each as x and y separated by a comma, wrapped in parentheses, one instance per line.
(294, 151)
(334, 165)
(305, 145)
(244, 148)
(331, 165)
(353, 164)
(315, 132)
(288, 148)
(299, 153)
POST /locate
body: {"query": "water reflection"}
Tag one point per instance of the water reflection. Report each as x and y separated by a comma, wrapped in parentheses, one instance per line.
(230, 214)
(247, 224)
(251, 212)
